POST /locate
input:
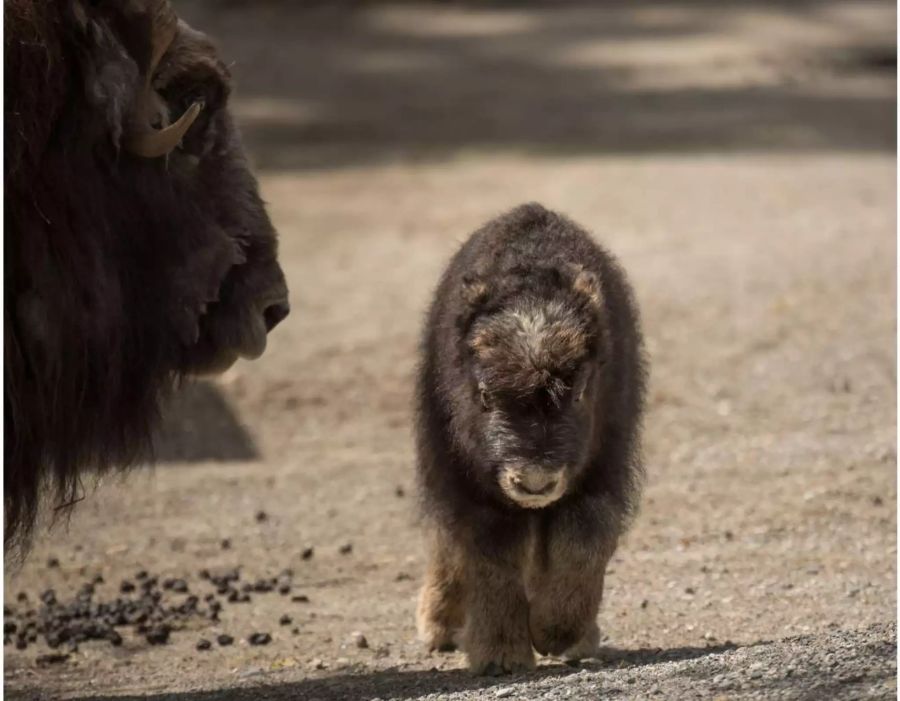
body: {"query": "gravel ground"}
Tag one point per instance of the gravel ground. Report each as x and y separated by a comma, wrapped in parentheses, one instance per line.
(838, 665)
(739, 157)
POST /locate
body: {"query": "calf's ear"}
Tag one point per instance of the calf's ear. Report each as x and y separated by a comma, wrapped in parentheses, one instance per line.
(587, 283)
(475, 291)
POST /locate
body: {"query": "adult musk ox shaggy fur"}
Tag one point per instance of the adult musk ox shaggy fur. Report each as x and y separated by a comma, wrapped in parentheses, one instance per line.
(137, 248)
(530, 394)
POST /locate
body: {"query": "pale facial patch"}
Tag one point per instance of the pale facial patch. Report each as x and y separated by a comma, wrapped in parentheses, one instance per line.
(521, 349)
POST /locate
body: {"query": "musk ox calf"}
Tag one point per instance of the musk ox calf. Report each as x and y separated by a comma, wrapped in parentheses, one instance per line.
(137, 248)
(530, 394)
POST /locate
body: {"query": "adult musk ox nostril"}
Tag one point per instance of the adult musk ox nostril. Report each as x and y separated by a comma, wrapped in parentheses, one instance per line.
(137, 248)
(274, 314)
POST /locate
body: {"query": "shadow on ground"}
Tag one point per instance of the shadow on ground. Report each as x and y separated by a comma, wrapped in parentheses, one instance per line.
(200, 425)
(341, 84)
(410, 685)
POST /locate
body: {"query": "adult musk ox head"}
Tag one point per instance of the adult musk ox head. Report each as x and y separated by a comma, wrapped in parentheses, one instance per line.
(137, 248)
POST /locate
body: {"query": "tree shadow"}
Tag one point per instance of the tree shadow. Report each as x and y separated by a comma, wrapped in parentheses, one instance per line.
(338, 84)
(199, 425)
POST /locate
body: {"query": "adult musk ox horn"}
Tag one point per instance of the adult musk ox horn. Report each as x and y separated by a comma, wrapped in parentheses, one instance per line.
(143, 140)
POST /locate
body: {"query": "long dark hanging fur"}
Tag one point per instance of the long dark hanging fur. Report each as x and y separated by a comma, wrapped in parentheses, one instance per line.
(122, 274)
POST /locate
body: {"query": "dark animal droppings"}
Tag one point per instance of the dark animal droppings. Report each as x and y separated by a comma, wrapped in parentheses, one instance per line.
(142, 605)
(203, 644)
(158, 635)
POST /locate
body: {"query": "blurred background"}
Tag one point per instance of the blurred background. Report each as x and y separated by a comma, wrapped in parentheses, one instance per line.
(737, 156)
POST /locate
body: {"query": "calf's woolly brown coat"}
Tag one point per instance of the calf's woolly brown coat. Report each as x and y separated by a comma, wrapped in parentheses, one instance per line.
(530, 393)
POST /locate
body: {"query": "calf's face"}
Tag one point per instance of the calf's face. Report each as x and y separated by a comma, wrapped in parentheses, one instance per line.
(534, 380)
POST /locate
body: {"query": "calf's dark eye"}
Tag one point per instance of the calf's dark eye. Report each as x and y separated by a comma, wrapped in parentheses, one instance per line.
(484, 396)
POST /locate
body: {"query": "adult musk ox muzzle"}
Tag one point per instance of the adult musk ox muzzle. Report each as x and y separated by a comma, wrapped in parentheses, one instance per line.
(137, 248)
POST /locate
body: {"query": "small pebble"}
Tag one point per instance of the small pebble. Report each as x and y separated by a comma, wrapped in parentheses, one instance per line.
(52, 658)
(504, 692)
(53, 562)
(300, 599)
(645, 603)
(346, 549)
(307, 553)
(400, 492)
(225, 544)
(203, 644)
(285, 620)
(284, 589)
(261, 516)
(359, 639)
(224, 640)
(127, 587)
(259, 639)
